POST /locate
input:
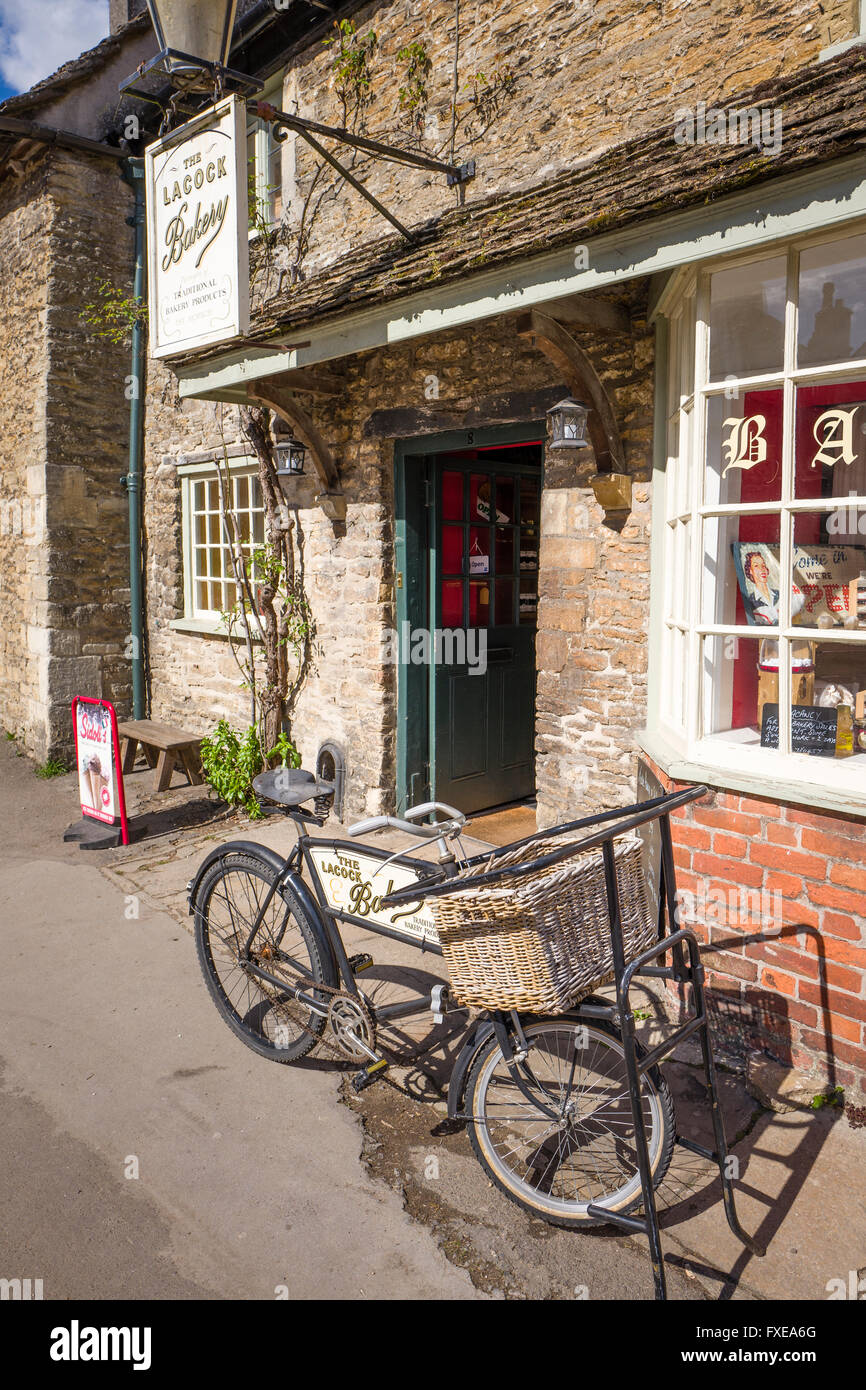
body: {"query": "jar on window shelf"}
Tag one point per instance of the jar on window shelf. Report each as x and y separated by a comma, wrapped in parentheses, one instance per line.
(802, 674)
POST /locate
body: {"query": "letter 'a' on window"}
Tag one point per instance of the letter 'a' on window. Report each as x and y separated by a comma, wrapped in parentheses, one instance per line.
(762, 665)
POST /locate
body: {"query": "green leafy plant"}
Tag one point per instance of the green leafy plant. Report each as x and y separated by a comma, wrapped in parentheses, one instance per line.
(113, 315)
(353, 56)
(412, 95)
(52, 767)
(286, 751)
(835, 1098)
(229, 761)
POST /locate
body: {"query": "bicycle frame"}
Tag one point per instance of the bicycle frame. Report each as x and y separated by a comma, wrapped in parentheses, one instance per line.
(344, 874)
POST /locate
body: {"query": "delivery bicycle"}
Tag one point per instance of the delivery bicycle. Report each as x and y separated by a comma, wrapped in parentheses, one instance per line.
(567, 1112)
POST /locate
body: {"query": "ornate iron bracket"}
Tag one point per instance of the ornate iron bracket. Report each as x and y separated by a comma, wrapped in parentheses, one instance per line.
(283, 124)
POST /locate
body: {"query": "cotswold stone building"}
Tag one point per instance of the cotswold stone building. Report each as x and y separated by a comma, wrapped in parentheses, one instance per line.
(668, 223)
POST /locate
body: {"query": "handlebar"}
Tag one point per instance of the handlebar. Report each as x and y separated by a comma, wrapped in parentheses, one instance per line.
(408, 824)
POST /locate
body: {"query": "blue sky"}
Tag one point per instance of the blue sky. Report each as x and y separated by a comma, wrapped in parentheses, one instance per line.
(37, 36)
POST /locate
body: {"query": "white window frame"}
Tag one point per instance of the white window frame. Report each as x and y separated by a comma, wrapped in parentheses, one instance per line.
(679, 744)
(272, 93)
(195, 618)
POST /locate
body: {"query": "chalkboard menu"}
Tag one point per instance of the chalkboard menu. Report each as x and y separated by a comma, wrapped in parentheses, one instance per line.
(813, 729)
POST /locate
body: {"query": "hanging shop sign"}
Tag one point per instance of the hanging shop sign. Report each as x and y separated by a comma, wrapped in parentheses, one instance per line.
(97, 758)
(198, 231)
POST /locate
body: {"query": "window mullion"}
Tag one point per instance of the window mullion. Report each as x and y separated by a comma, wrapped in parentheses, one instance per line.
(697, 463)
(786, 528)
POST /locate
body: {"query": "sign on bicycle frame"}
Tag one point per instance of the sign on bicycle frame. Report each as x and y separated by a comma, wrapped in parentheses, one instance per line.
(354, 881)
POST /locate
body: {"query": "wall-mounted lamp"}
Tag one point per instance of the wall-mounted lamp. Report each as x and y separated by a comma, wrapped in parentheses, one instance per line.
(290, 455)
(566, 425)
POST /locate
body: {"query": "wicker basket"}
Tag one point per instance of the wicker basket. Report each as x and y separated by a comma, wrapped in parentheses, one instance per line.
(541, 941)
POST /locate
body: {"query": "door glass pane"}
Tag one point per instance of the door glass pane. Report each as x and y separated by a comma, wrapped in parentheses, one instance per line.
(528, 598)
(479, 602)
(832, 317)
(831, 443)
(505, 550)
(505, 499)
(452, 549)
(452, 603)
(452, 496)
(481, 498)
(529, 494)
(504, 602)
(479, 550)
(747, 319)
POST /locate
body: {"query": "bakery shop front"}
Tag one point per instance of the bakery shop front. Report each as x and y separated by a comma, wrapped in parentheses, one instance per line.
(757, 670)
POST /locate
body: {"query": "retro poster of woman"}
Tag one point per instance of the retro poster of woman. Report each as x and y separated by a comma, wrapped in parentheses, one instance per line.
(821, 576)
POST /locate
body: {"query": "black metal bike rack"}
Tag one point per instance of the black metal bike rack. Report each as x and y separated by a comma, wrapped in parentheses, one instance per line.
(671, 940)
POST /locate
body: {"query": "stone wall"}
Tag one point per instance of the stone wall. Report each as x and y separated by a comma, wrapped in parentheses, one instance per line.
(25, 219)
(64, 415)
(593, 610)
(84, 617)
(585, 75)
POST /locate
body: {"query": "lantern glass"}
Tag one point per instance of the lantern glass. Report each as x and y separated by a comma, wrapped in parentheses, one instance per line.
(290, 459)
(567, 425)
(201, 28)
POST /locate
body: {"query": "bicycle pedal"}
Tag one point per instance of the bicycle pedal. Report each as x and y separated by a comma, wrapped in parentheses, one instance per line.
(369, 1074)
(360, 963)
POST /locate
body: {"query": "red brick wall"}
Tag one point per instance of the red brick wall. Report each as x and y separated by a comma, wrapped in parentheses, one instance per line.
(777, 894)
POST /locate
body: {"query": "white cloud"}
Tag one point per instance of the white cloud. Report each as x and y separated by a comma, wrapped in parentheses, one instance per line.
(38, 36)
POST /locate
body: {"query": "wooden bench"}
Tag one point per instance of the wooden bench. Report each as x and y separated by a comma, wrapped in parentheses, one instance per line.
(162, 747)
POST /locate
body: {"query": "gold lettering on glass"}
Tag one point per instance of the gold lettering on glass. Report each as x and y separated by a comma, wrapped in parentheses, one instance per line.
(746, 445)
(836, 445)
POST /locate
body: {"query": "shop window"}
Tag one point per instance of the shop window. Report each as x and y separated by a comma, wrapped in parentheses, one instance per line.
(210, 585)
(762, 665)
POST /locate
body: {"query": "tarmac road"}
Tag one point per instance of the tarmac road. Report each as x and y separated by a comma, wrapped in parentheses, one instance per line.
(250, 1181)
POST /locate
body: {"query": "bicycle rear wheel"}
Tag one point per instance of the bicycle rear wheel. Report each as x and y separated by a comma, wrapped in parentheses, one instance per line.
(556, 1166)
(265, 1017)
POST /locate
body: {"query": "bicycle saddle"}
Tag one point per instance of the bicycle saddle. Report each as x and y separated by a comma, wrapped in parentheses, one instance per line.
(290, 786)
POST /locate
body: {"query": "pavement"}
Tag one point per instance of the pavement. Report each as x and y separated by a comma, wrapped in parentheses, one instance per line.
(145, 1153)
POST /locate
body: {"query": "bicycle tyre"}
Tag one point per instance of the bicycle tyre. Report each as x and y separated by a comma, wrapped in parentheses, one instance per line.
(485, 1131)
(275, 1026)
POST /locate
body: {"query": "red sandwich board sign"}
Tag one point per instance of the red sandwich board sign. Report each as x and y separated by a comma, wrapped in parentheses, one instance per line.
(97, 758)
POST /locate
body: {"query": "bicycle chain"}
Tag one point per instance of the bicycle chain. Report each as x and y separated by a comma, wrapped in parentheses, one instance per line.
(327, 1039)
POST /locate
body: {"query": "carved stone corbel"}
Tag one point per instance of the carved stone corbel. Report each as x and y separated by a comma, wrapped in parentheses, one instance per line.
(583, 381)
(283, 403)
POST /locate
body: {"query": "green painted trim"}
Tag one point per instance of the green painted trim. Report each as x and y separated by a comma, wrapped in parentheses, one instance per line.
(831, 195)
(425, 446)
(810, 794)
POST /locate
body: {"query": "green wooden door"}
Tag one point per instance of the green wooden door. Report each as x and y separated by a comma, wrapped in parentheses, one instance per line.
(484, 590)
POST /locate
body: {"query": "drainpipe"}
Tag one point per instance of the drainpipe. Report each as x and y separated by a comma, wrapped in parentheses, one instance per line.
(133, 173)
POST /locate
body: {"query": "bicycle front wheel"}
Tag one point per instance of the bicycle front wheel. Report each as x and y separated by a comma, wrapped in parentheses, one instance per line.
(579, 1149)
(269, 1019)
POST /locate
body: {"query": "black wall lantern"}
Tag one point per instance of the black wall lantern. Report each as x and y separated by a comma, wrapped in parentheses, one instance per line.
(567, 425)
(290, 455)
